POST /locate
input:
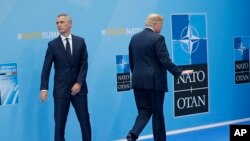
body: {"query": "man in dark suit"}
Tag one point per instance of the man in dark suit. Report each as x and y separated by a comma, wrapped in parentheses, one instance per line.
(69, 55)
(149, 60)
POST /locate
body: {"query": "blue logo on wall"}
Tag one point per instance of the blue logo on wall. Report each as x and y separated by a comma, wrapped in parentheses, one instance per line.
(242, 48)
(189, 38)
(123, 73)
(122, 64)
(242, 58)
(189, 42)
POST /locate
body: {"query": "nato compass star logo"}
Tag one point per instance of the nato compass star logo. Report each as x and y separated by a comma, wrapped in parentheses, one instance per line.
(189, 39)
(122, 63)
(242, 48)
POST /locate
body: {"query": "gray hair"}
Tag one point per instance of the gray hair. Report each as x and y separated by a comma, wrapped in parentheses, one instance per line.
(66, 15)
(153, 19)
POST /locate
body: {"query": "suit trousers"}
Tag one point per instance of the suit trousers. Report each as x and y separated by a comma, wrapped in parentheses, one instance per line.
(61, 110)
(150, 103)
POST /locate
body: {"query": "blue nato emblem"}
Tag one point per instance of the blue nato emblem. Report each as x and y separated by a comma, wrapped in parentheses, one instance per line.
(123, 73)
(241, 54)
(242, 48)
(122, 64)
(189, 42)
(189, 39)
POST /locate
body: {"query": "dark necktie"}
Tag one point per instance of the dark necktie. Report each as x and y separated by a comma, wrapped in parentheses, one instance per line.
(68, 47)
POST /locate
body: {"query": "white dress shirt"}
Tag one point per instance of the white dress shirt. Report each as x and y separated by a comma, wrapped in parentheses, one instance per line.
(70, 42)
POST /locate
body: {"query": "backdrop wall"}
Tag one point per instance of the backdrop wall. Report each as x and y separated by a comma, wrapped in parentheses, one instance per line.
(27, 26)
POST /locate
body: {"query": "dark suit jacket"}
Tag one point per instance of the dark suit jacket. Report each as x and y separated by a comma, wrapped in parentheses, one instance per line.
(68, 70)
(149, 60)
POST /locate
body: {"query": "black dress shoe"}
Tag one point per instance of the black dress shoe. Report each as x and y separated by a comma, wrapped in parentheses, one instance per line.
(131, 137)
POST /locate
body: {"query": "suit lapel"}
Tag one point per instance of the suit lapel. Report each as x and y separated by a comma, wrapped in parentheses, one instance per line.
(63, 50)
(74, 47)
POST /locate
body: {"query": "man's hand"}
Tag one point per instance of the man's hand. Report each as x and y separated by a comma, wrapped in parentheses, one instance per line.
(43, 96)
(187, 72)
(75, 89)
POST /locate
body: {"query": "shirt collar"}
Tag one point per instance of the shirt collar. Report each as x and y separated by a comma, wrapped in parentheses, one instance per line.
(63, 37)
(150, 28)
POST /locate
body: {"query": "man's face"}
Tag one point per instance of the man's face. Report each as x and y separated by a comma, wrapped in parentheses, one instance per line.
(158, 26)
(63, 24)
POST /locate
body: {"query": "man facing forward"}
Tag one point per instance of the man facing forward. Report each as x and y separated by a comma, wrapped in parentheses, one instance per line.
(69, 55)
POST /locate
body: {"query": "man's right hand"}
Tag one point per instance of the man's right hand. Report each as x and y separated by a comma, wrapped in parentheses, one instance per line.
(43, 96)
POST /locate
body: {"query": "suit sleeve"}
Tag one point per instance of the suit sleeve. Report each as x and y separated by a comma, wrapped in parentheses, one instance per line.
(49, 57)
(163, 56)
(84, 65)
